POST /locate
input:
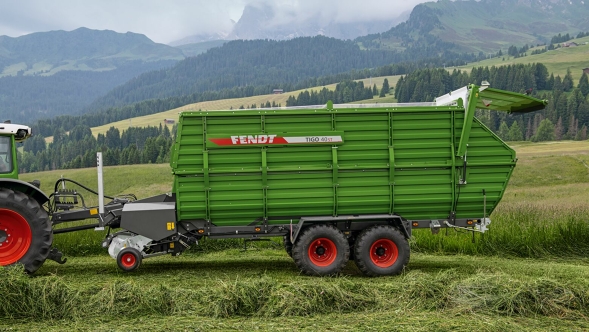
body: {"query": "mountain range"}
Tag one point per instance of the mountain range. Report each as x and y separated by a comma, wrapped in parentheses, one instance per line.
(485, 25)
(50, 73)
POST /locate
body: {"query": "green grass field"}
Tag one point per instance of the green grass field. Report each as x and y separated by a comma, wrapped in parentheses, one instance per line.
(528, 273)
(557, 61)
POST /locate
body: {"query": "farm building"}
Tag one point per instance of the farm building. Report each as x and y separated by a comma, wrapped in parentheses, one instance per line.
(169, 121)
(278, 91)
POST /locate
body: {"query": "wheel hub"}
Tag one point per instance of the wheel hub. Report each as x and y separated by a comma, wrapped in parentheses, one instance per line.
(384, 253)
(15, 237)
(380, 251)
(320, 251)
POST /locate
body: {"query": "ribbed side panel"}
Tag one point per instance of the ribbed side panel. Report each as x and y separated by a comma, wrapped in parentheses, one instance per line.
(236, 199)
(390, 161)
(189, 146)
(490, 163)
(422, 144)
(300, 194)
(191, 197)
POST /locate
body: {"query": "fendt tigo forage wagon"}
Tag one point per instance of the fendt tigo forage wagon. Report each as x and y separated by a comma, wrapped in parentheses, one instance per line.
(335, 181)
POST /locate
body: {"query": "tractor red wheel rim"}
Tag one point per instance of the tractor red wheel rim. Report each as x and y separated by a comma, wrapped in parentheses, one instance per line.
(322, 252)
(128, 260)
(15, 237)
(384, 253)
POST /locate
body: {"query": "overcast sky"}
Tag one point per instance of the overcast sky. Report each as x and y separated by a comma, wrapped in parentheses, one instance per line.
(170, 20)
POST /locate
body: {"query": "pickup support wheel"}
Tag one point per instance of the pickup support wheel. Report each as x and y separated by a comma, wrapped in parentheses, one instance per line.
(25, 231)
(129, 259)
(381, 251)
(321, 250)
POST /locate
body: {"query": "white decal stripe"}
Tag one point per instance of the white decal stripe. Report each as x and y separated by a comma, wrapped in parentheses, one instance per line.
(313, 139)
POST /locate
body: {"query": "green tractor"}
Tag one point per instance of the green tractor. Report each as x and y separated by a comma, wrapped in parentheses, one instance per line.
(25, 228)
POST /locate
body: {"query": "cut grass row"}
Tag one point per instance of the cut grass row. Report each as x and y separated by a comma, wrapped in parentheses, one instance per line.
(267, 285)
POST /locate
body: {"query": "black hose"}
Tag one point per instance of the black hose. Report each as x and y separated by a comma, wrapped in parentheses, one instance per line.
(79, 184)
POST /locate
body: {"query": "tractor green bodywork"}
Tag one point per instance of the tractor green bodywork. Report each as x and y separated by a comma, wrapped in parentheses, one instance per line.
(8, 164)
(422, 162)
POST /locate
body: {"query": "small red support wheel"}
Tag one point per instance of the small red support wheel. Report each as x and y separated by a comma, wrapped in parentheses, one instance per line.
(381, 251)
(129, 259)
(321, 250)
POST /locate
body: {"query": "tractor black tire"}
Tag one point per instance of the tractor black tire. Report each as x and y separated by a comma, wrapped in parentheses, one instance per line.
(23, 220)
(287, 244)
(129, 259)
(381, 251)
(321, 250)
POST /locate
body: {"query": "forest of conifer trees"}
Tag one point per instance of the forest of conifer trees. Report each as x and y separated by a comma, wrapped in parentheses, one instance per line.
(565, 117)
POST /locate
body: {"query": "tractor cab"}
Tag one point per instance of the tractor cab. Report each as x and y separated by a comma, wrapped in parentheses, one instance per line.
(10, 134)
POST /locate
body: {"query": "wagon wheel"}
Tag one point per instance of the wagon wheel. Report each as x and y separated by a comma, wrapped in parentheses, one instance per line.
(287, 244)
(381, 250)
(321, 250)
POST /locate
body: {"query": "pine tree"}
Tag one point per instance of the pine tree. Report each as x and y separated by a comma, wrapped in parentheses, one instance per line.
(558, 130)
(567, 81)
(529, 130)
(385, 87)
(583, 134)
(515, 132)
(374, 90)
(584, 85)
(503, 132)
(545, 132)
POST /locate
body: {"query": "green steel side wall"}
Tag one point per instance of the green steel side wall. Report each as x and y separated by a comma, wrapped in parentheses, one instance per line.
(352, 178)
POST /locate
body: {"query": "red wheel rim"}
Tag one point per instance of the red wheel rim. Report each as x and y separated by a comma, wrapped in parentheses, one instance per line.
(128, 260)
(15, 236)
(384, 253)
(322, 252)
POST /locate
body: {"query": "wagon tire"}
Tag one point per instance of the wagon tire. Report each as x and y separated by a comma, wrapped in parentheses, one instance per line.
(129, 259)
(321, 250)
(381, 251)
(287, 244)
(25, 231)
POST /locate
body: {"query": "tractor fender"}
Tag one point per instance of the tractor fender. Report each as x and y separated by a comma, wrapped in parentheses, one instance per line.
(25, 188)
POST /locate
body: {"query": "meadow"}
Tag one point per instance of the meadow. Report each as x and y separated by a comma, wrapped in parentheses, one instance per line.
(528, 272)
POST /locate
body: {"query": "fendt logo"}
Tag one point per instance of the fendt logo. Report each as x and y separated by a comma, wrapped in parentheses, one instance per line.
(253, 139)
(268, 139)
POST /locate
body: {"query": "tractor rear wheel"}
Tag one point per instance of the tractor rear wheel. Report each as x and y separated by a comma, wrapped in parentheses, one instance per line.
(321, 250)
(25, 231)
(381, 251)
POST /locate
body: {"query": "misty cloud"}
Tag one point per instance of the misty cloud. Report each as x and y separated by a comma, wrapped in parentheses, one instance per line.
(172, 20)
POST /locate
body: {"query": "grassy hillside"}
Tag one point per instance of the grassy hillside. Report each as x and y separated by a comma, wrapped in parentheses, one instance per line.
(557, 61)
(225, 104)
